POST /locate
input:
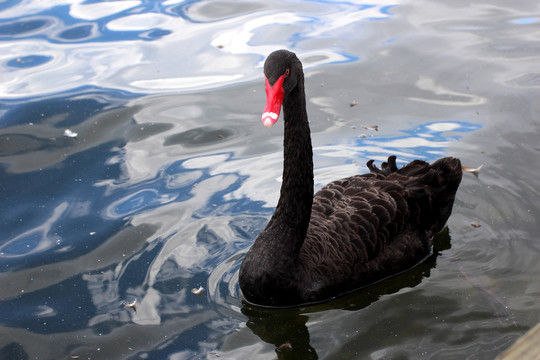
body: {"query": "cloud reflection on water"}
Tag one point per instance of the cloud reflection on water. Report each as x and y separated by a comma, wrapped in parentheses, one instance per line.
(179, 214)
(201, 45)
(177, 187)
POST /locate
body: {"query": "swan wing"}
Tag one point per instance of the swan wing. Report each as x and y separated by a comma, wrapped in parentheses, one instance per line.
(368, 227)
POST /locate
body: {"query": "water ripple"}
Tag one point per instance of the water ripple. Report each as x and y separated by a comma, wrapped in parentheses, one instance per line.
(159, 195)
(225, 41)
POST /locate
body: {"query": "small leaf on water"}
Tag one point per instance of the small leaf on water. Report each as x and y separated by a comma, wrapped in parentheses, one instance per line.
(132, 305)
(198, 291)
(371, 127)
(473, 171)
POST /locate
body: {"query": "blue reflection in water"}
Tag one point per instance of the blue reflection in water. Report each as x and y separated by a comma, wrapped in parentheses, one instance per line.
(71, 108)
(29, 61)
(524, 21)
(79, 234)
(66, 211)
(51, 209)
(149, 47)
(70, 205)
(57, 308)
(426, 141)
(68, 27)
(78, 32)
(51, 214)
(24, 26)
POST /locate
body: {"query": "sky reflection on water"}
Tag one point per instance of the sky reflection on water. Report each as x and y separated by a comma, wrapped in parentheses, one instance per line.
(171, 175)
(148, 47)
(114, 227)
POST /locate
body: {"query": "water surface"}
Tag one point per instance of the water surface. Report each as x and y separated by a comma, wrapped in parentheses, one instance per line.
(171, 175)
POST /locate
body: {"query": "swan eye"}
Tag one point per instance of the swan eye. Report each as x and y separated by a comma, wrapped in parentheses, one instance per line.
(287, 72)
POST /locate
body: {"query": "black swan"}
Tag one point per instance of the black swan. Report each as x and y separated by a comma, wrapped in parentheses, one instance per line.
(354, 231)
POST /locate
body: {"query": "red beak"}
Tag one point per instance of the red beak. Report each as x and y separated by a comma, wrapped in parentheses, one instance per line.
(274, 98)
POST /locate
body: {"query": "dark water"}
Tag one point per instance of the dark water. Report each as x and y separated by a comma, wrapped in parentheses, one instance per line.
(171, 175)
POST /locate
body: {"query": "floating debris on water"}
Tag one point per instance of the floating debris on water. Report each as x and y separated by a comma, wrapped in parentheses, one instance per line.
(473, 171)
(475, 224)
(69, 133)
(131, 305)
(353, 103)
(198, 291)
(371, 127)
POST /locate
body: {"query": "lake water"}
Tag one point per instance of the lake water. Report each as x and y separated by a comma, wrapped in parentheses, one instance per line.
(134, 168)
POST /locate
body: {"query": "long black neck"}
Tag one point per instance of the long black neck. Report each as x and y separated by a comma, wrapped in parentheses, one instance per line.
(270, 270)
(293, 210)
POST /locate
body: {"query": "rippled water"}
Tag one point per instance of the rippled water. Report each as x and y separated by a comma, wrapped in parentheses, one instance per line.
(171, 175)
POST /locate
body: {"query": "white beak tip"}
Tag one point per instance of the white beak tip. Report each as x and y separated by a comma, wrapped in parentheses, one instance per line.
(269, 119)
(268, 122)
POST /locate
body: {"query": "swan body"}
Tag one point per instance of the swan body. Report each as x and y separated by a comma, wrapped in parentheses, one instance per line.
(351, 233)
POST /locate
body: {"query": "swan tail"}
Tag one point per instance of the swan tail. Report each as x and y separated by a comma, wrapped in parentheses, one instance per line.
(431, 190)
(387, 167)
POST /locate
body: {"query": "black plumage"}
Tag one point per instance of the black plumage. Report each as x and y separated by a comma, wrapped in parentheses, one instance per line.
(354, 231)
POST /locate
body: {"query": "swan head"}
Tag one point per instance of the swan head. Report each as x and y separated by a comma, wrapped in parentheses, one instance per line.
(282, 69)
